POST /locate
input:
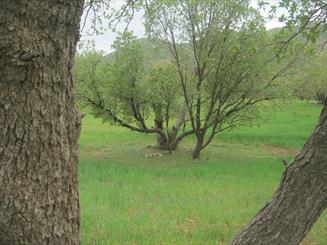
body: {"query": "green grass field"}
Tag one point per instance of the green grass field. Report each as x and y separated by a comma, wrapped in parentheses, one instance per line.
(127, 198)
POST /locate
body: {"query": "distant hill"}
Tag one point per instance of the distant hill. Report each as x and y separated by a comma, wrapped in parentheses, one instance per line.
(156, 50)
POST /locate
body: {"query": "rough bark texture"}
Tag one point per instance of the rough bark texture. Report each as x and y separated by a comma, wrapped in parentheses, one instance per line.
(300, 199)
(39, 122)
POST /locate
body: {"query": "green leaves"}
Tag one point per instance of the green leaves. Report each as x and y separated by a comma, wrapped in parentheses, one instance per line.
(304, 17)
(221, 52)
(127, 86)
(310, 80)
(163, 81)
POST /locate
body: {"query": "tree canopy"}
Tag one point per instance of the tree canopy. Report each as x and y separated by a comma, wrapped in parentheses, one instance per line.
(222, 53)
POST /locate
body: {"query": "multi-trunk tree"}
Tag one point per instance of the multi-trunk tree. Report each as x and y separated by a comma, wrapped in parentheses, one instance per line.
(222, 53)
(129, 89)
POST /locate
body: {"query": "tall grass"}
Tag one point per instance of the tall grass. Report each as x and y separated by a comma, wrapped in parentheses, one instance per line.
(128, 197)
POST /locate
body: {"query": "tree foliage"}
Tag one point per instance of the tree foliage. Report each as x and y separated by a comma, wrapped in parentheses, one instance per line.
(127, 89)
(221, 55)
(311, 79)
(221, 51)
(305, 18)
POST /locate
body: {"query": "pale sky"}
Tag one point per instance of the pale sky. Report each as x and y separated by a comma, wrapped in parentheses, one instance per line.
(104, 41)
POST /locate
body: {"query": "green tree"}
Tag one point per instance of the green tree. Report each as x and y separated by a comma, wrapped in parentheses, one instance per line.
(311, 79)
(221, 52)
(167, 104)
(126, 89)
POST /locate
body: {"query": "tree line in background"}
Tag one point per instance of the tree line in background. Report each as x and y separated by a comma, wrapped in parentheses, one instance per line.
(311, 79)
(206, 67)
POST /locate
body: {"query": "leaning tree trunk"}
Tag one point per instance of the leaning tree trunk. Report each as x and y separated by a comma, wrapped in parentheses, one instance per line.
(300, 199)
(39, 122)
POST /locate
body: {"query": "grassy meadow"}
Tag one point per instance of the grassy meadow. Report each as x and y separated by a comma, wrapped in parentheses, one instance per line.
(128, 198)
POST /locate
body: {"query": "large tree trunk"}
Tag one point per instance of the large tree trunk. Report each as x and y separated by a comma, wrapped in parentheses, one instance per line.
(300, 199)
(39, 122)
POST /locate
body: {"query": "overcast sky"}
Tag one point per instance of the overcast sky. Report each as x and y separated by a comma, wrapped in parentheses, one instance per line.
(104, 41)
